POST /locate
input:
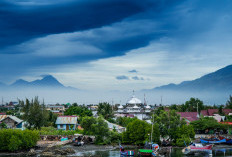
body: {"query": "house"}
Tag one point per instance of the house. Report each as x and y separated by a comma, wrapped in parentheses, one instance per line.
(211, 112)
(214, 113)
(12, 122)
(66, 122)
(118, 128)
(57, 109)
(188, 116)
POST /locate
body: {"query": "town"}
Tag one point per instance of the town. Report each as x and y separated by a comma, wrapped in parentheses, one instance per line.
(134, 123)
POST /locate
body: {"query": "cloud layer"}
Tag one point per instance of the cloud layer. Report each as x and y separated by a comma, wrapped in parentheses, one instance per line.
(127, 43)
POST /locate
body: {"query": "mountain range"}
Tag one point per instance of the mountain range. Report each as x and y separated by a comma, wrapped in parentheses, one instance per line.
(47, 81)
(218, 81)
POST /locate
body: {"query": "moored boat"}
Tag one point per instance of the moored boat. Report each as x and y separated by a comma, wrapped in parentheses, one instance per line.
(149, 152)
(212, 142)
(126, 153)
(197, 148)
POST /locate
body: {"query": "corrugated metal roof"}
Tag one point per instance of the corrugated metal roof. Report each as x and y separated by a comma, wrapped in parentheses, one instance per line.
(3, 117)
(16, 119)
(66, 120)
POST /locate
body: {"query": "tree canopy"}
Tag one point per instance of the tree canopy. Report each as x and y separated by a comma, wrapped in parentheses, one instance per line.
(34, 113)
(105, 109)
(78, 110)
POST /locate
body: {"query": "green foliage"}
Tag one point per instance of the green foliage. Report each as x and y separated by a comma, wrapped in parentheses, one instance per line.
(207, 123)
(183, 141)
(54, 131)
(229, 103)
(51, 119)
(80, 111)
(137, 132)
(100, 130)
(156, 133)
(13, 139)
(87, 125)
(105, 109)
(124, 121)
(35, 113)
(228, 118)
(3, 125)
(168, 122)
(190, 106)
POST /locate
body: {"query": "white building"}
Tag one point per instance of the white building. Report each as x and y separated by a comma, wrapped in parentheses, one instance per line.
(134, 108)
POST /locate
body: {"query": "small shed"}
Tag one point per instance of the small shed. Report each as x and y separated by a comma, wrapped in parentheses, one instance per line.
(66, 122)
(11, 122)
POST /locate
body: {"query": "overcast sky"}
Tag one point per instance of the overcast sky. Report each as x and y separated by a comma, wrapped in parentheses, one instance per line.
(114, 44)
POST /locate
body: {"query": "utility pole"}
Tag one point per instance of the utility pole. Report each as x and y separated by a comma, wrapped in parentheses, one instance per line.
(161, 100)
(152, 125)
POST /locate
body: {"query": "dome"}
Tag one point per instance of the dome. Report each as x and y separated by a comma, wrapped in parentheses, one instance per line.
(120, 107)
(134, 100)
(135, 107)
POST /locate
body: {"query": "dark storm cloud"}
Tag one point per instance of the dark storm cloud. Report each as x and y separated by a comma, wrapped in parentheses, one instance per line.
(19, 23)
(122, 77)
(41, 36)
(137, 78)
(133, 71)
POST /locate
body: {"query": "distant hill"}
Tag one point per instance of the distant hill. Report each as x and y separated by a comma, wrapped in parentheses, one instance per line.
(220, 80)
(47, 81)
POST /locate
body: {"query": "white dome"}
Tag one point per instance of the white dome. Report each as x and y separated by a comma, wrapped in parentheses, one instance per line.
(134, 100)
(135, 107)
(120, 107)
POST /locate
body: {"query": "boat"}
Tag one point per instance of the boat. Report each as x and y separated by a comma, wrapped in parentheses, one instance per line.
(64, 139)
(228, 140)
(150, 152)
(212, 142)
(126, 153)
(77, 142)
(196, 148)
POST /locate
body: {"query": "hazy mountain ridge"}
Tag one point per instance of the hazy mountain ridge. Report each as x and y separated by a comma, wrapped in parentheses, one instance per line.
(48, 82)
(220, 80)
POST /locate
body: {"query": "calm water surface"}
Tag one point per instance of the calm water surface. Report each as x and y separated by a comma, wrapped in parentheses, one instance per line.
(176, 152)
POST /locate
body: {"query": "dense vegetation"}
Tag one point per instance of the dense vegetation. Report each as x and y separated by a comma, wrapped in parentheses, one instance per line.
(208, 123)
(166, 125)
(12, 140)
(54, 131)
(106, 110)
(80, 111)
(99, 128)
(124, 121)
(34, 113)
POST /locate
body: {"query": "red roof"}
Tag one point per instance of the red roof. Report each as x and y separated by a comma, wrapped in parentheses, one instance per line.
(227, 111)
(67, 116)
(211, 112)
(191, 116)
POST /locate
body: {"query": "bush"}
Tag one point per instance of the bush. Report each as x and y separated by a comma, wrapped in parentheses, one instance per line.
(183, 141)
(13, 139)
(54, 131)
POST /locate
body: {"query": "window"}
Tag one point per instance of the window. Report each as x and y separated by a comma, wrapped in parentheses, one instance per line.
(61, 126)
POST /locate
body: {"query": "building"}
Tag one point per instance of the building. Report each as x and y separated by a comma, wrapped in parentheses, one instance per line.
(134, 108)
(57, 109)
(189, 116)
(12, 122)
(118, 128)
(211, 112)
(66, 122)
